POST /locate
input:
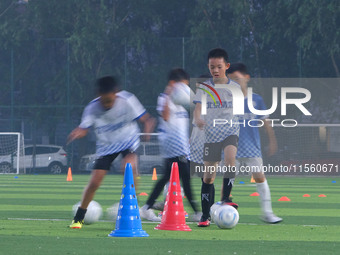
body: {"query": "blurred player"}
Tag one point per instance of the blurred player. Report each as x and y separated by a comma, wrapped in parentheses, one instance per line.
(218, 138)
(113, 116)
(249, 147)
(196, 141)
(174, 140)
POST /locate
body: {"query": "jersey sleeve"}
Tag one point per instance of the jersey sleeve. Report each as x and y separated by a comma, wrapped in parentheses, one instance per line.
(161, 101)
(88, 118)
(262, 106)
(137, 109)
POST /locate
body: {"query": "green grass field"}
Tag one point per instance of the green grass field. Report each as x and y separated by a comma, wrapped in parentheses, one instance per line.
(36, 209)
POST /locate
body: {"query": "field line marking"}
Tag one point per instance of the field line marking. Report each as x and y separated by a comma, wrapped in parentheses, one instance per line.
(151, 222)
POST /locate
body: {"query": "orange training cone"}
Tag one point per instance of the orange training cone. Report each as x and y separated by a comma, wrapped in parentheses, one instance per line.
(143, 194)
(284, 199)
(322, 195)
(306, 195)
(173, 217)
(154, 175)
(252, 180)
(255, 194)
(69, 175)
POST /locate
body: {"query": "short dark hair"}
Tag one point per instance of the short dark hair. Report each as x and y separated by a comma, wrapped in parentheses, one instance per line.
(234, 67)
(218, 53)
(178, 74)
(107, 84)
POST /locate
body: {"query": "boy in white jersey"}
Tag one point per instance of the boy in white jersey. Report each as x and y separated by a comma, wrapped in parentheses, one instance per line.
(249, 147)
(113, 116)
(218, 138)
(174, 140)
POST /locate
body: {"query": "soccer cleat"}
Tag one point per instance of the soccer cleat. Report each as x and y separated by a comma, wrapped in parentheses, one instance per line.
(271, 218)
(203, 223)
(195, 217)
(77, 224)
(148, 214)
(231, 203)
(158, 206)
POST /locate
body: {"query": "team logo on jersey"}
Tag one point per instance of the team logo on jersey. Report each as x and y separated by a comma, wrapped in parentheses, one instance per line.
(209, 93)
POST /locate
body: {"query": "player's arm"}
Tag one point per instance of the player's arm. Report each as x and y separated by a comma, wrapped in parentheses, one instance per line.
(77, 133)
(197, 116)
(86, 123)
(148, 123)
(271, 137)
(166, 109)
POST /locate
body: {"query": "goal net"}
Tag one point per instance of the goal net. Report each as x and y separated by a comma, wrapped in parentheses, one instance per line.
(12, 153)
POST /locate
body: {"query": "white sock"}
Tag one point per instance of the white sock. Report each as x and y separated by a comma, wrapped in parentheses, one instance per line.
(265, 198)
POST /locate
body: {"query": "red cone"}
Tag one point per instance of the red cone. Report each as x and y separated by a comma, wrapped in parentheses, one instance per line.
(143, 194)
(173, 214)
(284, 199)
(306, 195)
(322, 195)
(255, 194)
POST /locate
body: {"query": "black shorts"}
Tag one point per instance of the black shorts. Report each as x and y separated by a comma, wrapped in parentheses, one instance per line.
(213, 151)
(104, 162)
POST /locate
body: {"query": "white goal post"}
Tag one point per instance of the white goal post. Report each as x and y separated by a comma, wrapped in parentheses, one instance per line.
(12, 153)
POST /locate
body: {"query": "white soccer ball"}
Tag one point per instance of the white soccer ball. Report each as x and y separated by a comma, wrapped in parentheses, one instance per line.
(226, 217)
(214, 208)
(112, 212)
(180, 95)
(166, 188)
(93, 214)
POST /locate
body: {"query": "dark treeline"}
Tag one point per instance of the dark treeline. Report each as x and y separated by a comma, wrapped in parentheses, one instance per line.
(52, 51)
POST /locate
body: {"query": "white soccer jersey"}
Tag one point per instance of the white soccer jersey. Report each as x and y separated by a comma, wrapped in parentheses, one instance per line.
(196, 145)
(116, 129)
(217, 111)
(249, 145)
(174, 133)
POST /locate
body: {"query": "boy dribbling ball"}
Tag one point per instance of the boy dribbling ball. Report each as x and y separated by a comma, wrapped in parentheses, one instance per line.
(113, 116)
(217, 139)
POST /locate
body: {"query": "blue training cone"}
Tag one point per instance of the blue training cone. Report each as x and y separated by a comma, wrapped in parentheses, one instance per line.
(128, 223)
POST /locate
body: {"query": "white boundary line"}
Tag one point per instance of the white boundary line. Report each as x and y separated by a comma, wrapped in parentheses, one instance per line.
(189, 222)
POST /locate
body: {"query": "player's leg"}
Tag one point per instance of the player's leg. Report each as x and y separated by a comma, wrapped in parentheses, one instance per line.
(90, 190)
(263, 190)
(132, 158)
(184, 172)
(146, 211)
(101, 167)
(230, 151)
(88, 194)
(207, 192)
(211, 156)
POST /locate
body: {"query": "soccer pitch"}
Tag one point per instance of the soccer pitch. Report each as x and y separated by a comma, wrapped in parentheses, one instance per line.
(35, 211)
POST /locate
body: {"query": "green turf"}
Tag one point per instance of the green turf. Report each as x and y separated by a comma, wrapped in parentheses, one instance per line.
(311, 225)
